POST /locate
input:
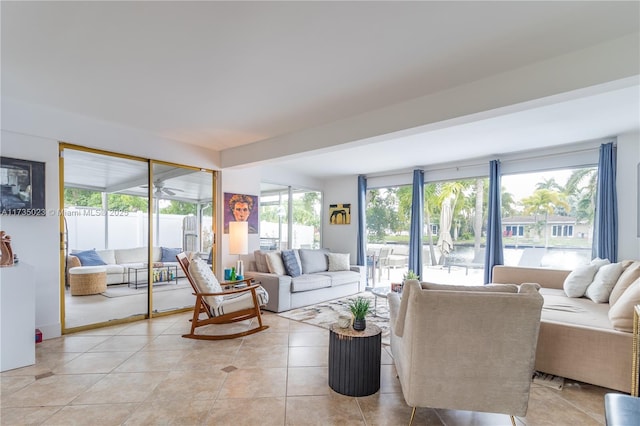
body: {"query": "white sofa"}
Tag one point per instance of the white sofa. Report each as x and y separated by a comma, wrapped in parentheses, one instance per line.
(118, 262)
(316, 284)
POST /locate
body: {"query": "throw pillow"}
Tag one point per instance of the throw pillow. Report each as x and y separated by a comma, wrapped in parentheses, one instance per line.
(275, 264)
(169, 254)
(606, 277)
(576, 283)
(599, 262)
(291, 265)
(629, 275)
(339, 261)
(313, 260)
(205, 281)
(261, 261)
(621, 314)
(89, 258)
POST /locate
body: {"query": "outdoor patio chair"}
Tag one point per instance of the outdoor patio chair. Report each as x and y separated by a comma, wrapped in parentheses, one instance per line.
(221, 306)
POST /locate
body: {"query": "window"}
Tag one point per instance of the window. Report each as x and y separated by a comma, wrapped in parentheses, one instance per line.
(553, 213)
(286, 211)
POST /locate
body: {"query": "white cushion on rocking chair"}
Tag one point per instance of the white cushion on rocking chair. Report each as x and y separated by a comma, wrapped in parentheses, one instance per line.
(205, 281)
(238, 301)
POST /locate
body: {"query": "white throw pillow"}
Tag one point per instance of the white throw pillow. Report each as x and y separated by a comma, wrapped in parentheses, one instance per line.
(205, 281)
(621, 314)
(339, 261)
(275, 263)
(606, 277)
(630, 274)
(600, 262)
(579, 279)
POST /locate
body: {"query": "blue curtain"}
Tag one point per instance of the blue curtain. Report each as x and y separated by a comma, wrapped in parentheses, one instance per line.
(415, 232)
(605, 226)
(493, 253)
(361, 254)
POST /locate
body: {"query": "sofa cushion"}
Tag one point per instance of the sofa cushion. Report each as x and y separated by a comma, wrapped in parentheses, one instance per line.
(579, 311)
(306, 282)
(108, 255)
(500, 288)
(339, 278)
(291, 264)
(630, 274)
(621, 314)
(169, 254)
(313, 260)
(338, 262)
(576, 283)
(603, 282)
(133, 255)
(205, 281)
(261, 261)
(275, 264)
(89, 258)
(599, 262)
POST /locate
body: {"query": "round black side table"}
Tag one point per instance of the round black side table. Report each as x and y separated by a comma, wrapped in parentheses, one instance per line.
(354, 360)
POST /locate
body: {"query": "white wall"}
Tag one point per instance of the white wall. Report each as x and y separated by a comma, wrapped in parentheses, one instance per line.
(36, 239)
(341, 238)
(628, 158)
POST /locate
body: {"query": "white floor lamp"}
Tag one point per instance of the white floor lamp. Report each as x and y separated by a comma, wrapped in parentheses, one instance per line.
(239, 242)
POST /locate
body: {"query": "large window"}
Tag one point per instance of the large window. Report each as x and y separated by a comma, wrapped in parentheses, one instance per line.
(289, 218)
(547, 217)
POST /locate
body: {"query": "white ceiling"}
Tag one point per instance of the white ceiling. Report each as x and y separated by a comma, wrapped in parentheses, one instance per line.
(225, 74)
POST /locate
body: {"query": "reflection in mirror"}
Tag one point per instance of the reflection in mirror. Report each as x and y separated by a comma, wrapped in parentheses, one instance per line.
(182, 221)
(106, 237)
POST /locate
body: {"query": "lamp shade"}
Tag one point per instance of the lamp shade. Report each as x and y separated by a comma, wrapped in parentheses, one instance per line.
(238, 237)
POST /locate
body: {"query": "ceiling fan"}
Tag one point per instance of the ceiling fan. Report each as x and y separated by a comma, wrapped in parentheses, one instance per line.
(160, 189)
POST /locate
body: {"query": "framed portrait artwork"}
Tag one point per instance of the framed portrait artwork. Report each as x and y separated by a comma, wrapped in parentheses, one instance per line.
(241, 208)
(22, 187)
(339, 214)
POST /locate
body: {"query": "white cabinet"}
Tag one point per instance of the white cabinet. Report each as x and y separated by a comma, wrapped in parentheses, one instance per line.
(17, 317)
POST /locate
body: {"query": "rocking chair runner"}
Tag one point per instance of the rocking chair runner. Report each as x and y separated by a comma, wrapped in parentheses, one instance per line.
(221, 307)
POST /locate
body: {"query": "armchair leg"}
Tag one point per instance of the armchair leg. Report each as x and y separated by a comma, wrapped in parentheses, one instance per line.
(513, 421)
(413, 414)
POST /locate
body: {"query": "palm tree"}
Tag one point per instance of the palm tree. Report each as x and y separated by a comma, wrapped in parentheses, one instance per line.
(544, 201)
(430, 200)
(581, 186)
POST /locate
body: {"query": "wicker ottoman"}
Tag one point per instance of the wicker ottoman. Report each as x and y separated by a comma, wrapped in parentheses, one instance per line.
(86, 280)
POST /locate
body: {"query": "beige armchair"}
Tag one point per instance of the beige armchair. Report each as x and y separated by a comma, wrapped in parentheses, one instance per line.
(466, 348)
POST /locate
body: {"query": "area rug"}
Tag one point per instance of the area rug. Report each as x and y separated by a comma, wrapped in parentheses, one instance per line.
(548, 380)
(326, 313)
(121, 290)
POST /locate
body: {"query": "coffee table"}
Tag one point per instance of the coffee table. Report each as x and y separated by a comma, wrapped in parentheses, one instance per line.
(161, 273)
(379, 292)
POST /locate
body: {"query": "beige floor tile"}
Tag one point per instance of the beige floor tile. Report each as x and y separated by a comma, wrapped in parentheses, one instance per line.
(12, 384)
(27, 415)
(389, 382)
(210, 359)
(548, 407)
(72, 343)
(255, 383)
(332, 409)
(46, 361)
(122, 344)
(276, 356)
(588, 398)
(295, 326)
(309, 338)
(170, 412)
(150, 361)
(264, 338)
(309, 356)
(146, 328)
(248, 412)
(308, 381)
(172, 342)
(385, 355)
(93, 362)
(52, 391)
(98, 415)
(190, 385)
(391, 409)
(275, 322)
(119, 388)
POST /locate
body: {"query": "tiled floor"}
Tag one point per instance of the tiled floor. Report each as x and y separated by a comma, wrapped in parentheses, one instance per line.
(146, 373)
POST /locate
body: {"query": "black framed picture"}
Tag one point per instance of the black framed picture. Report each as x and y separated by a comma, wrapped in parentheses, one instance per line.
(22, 187)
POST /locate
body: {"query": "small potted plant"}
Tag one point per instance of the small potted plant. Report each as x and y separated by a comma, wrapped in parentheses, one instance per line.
(410, 275)
(359, 308)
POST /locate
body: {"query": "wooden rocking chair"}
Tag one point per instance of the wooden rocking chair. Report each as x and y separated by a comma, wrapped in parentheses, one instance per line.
(222, 307)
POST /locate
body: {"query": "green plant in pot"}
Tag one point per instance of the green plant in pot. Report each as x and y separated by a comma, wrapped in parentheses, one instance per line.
(359, 308)
(410, 275)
